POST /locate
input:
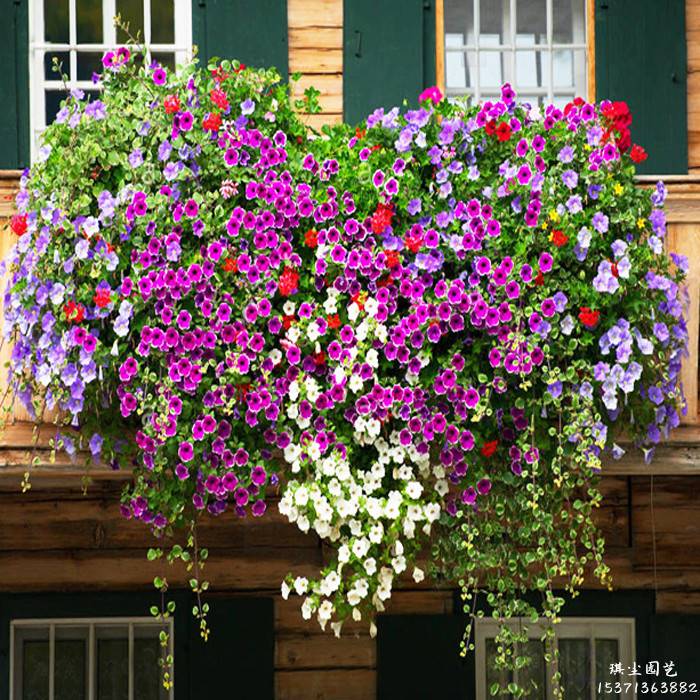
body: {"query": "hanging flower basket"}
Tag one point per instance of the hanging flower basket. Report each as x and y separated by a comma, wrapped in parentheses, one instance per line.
(421, 334)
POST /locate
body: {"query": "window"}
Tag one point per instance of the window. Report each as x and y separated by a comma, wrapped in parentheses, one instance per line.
(587, 648)
(87, 659)
(538, 46)
(78, 32)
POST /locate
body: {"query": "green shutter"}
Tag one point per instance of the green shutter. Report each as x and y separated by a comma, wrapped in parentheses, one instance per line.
(253, 31)
(418, 658)
(388, 53)
(640, 58)
(14, 84)
(675, 638)
(238, 659)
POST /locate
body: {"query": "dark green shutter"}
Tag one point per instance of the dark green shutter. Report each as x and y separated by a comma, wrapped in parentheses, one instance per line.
(253, 31)
(238, 660)
(675, 638)
(14, 84)
(418, 658)
(640, 58)
(388, 53)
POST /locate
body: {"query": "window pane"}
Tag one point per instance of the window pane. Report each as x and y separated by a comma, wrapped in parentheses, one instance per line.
(113, 669)
(147, 673)
(563, 68)
(492, 64)
(63, 58)
(89, 63)
(89, 21)
(56, 21)
(167, 60)
(495, 675)
(569, 23)
(35, 670)
(53, 100)
(69, 669)
(162, 22)
(531, 21)
(532, 100)
(533, 677)
(459, 19)
(531, 69)
(494, 18)
(606, 653)
(575, 667)
(131, 12)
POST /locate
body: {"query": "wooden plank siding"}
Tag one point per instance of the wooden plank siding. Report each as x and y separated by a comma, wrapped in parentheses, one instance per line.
(61, 540)
(316, 52)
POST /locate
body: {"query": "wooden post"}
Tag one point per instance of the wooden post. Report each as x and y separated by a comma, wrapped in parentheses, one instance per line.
(440, 45)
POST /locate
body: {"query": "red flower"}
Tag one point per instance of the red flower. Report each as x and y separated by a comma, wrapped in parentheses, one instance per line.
(212, 122)
(413, 243)
(589, 317)
(360, 133)
(333, 321)
(360, 298)
(218, 97)
(559, 238)
(503, 131)
(490, 127)
(489, 448)
(539, 280)
(638, 154)
(287, 321)
(382, 218)
(18, 224)
(392, 258)
(230, 265)
(73, 312)
(102, 298)
(240, 68)
(311, 238)
(320, 358)
(219, 74)
(614, 270)
(171, 104)
(620, 118)
(288, 282)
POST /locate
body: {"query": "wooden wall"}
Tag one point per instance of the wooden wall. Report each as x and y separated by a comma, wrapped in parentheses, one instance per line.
(63, 540)
(316, 51)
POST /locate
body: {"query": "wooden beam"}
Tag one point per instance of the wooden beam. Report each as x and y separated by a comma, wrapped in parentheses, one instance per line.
(326, 684)
(262, 568)
(590, 49)
(440, 45)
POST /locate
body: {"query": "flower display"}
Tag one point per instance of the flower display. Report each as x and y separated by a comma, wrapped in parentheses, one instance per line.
(421, 335)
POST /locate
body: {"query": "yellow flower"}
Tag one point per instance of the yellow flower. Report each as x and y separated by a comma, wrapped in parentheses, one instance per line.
(641, 223)
(553, 215)
(618, 189)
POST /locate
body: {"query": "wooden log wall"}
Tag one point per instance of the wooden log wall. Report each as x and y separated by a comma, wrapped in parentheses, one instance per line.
(316, 52)
(53, 540)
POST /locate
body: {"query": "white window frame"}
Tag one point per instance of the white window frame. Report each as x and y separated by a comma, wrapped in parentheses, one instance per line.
(621, 629)
(38, 46)
(18, 627)
(455, 44)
